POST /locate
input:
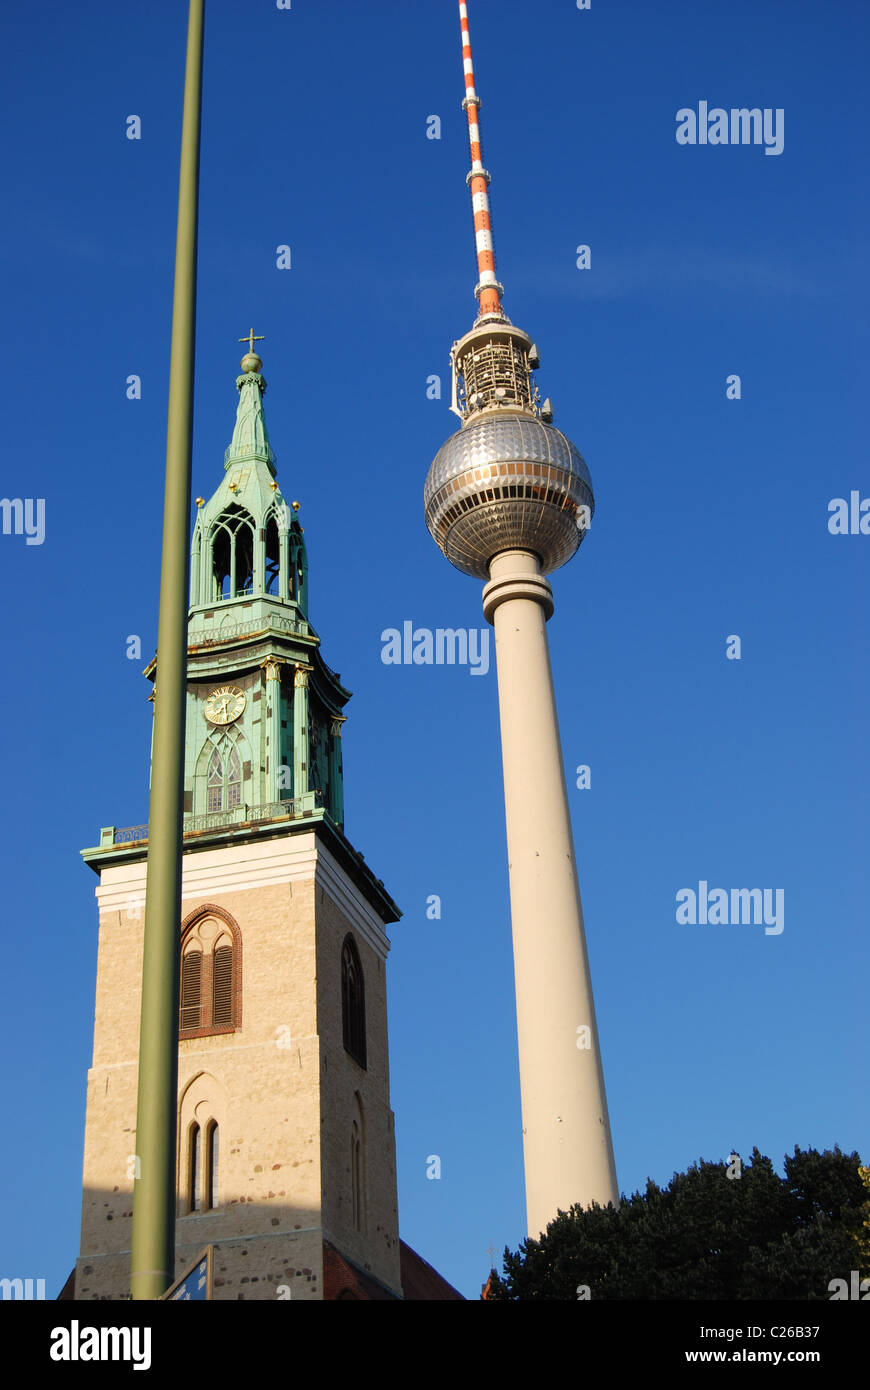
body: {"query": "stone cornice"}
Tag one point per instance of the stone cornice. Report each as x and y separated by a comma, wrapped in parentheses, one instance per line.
(275, 852)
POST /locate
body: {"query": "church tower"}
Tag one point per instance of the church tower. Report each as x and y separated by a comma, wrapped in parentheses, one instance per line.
(286, 1145)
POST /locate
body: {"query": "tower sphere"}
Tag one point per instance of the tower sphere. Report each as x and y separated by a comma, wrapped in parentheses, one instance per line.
(507, 482)
(251, 362)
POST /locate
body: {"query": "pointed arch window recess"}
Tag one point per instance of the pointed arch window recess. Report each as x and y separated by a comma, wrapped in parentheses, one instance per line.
(273, 559)
(356, 1176)
(203, 1168)
(231, 545)
(224, 778)
(353, 1004)
(297, 574)
(194, 1174)
(212, 1166)
(211, 974)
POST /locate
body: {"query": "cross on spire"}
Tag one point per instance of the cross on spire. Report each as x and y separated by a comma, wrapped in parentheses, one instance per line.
(252, 338)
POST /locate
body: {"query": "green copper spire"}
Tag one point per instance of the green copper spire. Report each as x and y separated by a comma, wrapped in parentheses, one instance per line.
(265, 711)
(247, 542)
(250, 436)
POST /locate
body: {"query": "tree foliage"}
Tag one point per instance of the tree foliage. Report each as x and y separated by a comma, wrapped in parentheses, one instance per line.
(707, 1236)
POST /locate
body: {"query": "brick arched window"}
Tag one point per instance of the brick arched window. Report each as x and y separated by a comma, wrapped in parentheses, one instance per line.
(210, 997)
(353, 1002)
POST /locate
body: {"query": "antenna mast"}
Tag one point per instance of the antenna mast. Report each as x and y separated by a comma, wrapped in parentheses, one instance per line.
(488, 290)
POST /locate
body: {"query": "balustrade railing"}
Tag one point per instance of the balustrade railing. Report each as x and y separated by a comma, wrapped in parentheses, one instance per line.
(130, 833)
(293, 809)
(209, 637)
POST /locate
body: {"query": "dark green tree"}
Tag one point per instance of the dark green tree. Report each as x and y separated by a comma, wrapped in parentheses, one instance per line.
(710, 1234)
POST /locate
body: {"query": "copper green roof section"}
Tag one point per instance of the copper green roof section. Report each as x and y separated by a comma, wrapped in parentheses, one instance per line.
(250, 439)
(247, 541)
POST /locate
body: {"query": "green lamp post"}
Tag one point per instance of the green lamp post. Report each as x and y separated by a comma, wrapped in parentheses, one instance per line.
(153, 1242)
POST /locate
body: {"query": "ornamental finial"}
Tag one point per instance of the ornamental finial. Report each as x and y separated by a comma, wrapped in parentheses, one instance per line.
(251, 362)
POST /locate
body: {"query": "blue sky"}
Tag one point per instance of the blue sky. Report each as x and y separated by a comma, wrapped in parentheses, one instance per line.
(711, 520)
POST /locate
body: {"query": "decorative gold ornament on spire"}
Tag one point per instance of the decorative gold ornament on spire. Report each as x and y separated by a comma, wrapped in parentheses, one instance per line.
(251, 362)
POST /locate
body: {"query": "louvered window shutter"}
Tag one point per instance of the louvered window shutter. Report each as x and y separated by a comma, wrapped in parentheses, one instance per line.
(190, 1012)
(222, 1010)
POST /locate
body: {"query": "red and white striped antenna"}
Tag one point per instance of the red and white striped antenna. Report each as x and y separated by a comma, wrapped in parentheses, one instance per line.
(488, 289)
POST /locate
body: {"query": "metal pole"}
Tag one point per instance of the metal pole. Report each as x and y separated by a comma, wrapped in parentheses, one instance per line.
(153, 1243)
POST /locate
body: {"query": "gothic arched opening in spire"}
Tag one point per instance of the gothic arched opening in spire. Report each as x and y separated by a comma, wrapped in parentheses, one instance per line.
(231, 543)
(244, 559)
(298, 587)
(273, 558)
(222, 561)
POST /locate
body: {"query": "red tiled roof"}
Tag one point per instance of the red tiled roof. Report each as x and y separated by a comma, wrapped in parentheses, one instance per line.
(420, 1280)
(342, 1279)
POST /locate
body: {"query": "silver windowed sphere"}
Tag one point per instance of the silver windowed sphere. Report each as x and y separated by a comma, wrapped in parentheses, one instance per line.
(508, 482)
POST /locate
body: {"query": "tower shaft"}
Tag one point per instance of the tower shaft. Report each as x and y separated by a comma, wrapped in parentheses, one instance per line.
(566, 1130)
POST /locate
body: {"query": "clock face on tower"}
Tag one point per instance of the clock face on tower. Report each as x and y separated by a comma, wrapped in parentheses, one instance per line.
(224, 704)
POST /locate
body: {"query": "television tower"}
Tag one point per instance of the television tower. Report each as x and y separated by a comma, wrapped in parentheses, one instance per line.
(508, 499)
